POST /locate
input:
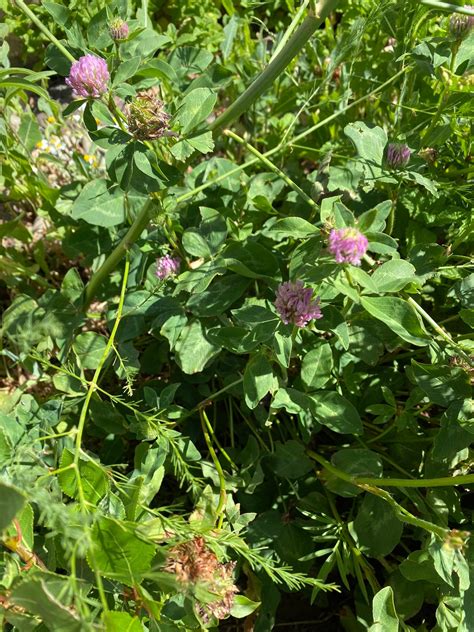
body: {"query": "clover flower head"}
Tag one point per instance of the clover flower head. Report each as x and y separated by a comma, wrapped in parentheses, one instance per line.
(89, 77)
(167, 266)
(348, 245)
(460, 24)
(147, 119)
(398, 155)
(118, 29)
(295, 304)
(193, 563)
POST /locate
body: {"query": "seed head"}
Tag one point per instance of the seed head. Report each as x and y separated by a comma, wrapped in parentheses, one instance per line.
(294, 303)
(167, 266)
(460, 24)
(147, 119)
(398, 155)
(89, 77)
(348, 245)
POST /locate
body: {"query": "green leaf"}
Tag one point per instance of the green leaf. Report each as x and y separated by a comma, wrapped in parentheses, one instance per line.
(126, 70)
(357, 462)
(377, 527)
(11, 502)
(38, 596)
(195, 108)
(337, 413)
(383, 612)
(242, 606)
(290, 461)
(89, 348)
(122, 621)
(399, 316)
(258, 379)
(118, 553)
(317, 366)
(193, 349)
(60, 13)
(291, 227)
(442, 384)
(370, 144)
(393, 275)
(99, 205)
(95, 483)
(219, 296)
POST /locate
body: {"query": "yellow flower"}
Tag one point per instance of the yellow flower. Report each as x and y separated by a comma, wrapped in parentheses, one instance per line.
(90, 159)
(51, 119)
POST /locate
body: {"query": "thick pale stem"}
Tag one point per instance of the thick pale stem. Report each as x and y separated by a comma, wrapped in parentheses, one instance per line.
(277, 66)
(118, 253)
(447, 6)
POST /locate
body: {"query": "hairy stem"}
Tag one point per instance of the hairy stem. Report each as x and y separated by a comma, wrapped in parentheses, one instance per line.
(447, 6)
(277, 66)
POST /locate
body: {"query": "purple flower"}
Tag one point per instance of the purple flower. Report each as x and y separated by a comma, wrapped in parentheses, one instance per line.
(118, 29)
(294, 303)
(167, 266)
(460, 24)
(89, 77)
(398, 155)
(348, 245)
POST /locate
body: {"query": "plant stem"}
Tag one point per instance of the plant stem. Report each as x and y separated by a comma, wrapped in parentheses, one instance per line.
(277, 66)
(118, 253)
(290, 29)
(273, 168)
(439, 330)
(293, 143)
(445, 481)
(217, 465)
(95, 379)
(44, 29)
(447, 6)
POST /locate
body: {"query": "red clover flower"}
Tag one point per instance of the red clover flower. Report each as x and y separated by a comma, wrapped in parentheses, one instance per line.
(348, 245)
(167, 266)
(398, 155)
(89, 77)
(294, 303)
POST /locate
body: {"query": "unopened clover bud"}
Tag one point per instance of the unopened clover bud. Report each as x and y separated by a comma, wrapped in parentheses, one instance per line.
(147, 119)
(118, 29)
(398, 155)
(461, 24)
(89, 77)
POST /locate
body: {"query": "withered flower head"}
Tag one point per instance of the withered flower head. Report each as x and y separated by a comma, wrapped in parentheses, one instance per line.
(147, 119)
(193, 562)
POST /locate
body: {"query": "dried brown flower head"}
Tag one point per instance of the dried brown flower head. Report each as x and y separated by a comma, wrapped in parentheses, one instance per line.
(147, 119)
(193, 562)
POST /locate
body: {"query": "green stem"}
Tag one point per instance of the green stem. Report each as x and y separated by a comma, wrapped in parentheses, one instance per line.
(222, 493)
(293, 143)
(273, 168)
(290, 29)
(95, 379)
(445, 481)
(447, 6)
(439, 330)
(277, 66)
(217, 442)
(44, 29)
(118, 253)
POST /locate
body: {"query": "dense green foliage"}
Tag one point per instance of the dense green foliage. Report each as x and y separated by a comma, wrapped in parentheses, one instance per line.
(173, 456)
